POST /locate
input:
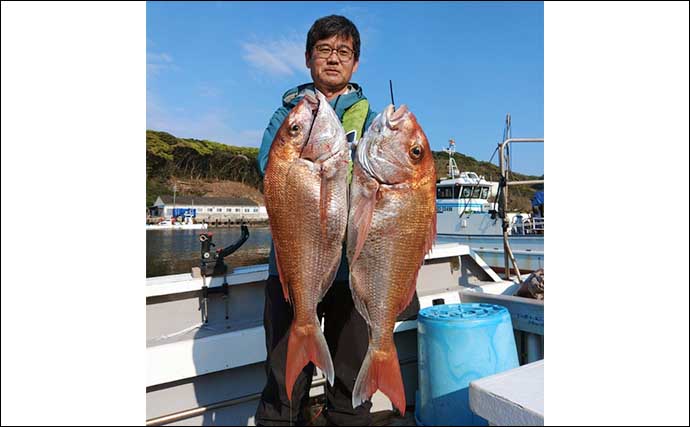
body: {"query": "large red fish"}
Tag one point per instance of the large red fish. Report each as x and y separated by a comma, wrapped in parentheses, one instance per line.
(306, 194)
(392, 225)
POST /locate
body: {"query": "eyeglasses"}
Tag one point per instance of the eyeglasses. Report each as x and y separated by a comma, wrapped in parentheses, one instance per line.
(325, 51)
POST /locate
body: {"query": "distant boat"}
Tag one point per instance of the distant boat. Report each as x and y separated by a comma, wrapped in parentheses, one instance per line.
(465, 215)
(168, 224)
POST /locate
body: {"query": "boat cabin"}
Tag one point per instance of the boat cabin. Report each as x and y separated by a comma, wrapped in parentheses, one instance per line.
(468, 192)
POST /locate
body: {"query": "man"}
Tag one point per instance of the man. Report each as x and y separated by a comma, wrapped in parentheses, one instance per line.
(332, 56)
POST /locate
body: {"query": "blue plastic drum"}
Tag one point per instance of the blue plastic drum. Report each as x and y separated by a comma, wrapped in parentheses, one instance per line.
(457, 344)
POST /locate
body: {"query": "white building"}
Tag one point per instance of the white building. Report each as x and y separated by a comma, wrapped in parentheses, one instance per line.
(209, 208)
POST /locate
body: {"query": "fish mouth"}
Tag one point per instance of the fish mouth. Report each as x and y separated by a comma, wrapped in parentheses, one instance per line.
(370, 151)
(314, 104)
(395, 117)
(314, 150)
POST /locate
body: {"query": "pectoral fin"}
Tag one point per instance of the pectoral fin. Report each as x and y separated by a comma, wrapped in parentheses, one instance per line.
(362, 217)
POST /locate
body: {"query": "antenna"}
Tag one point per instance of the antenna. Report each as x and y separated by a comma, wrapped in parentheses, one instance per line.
(390, 83)
(452, 166)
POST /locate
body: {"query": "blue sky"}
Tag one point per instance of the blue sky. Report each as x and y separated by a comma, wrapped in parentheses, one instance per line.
(218, 70)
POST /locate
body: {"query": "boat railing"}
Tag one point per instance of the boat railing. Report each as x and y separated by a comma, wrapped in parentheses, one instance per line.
(536, 226)
(529, 226)
(503, 191)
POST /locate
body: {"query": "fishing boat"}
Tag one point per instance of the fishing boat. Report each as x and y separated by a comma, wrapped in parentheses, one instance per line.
(205, 342)
(465, 215)
(170, 224)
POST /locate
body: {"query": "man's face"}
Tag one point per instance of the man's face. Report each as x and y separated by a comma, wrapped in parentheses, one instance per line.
(334, 71)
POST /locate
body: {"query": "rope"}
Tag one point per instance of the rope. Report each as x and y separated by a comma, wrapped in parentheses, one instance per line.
(184, 331)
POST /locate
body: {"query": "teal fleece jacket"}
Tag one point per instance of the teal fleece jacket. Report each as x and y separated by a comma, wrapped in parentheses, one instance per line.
(340, 104)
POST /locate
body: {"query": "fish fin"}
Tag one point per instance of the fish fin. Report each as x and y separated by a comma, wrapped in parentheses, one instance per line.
(431, 235)
(283, 282)
(411, 288)
(305, 344)
(329, 278)
(360, 306)
(380, 371)
(364, 212)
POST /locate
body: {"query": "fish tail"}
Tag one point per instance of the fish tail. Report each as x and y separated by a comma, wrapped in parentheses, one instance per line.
(305, 344)
(380, 371)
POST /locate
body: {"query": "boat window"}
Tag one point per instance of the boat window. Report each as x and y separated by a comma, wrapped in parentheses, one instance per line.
(485, 192)
(476, 192)
(456, 191)
(444, 192)
(466, 192)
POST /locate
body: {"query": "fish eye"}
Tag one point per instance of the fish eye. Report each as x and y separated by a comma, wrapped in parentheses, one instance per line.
(294, 129)
(416, 152)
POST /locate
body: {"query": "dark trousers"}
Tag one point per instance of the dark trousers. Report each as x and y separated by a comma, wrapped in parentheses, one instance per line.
(347, 337)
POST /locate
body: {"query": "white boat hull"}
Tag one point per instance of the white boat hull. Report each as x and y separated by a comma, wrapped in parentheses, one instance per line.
(528, 250)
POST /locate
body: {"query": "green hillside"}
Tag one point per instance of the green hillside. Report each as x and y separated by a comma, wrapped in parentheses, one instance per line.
(169, 158)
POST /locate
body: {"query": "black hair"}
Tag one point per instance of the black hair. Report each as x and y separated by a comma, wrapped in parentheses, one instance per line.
(330, 26)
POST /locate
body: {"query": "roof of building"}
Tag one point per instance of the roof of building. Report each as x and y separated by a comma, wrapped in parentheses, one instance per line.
(208, 201)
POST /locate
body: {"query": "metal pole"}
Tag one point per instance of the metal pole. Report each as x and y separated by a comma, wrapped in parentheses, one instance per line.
(504, 202)
(512, 258)
(511, 140)
(507, 252)
(534, 181)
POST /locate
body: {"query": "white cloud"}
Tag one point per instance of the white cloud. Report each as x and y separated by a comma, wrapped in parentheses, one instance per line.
(158, 57)
(155, 62)
(212, 125)
(276, 57)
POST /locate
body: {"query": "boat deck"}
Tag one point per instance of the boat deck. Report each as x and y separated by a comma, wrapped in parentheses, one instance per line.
(213, 374)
